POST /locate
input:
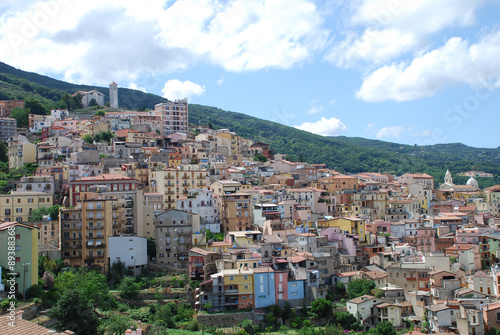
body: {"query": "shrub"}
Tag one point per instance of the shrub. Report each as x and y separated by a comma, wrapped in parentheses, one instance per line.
(193, 325)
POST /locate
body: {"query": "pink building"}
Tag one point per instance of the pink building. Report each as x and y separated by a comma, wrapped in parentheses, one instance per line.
(425, 239)
(467, 235)
(347, 242)
(281, 282)
(379, 227)
(70, 124)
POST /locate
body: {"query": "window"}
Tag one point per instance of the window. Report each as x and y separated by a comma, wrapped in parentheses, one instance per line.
(19, 210)
(231, 277)
(7, 211)
(245, 277)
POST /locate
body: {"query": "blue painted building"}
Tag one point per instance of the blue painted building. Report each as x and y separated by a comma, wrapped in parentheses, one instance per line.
(264, 286)
(296, 290)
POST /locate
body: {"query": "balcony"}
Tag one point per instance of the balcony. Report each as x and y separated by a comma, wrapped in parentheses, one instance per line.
(102, 245)
(71, 238)
(231, 291)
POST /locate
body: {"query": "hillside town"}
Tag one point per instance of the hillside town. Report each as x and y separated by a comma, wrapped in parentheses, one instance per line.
(250, 227)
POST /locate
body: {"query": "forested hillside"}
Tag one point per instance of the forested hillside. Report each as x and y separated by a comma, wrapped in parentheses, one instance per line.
(345, 154)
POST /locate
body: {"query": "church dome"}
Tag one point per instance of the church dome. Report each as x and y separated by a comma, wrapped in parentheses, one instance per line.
(472, 182)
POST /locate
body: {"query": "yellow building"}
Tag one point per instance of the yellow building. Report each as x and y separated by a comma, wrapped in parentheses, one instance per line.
(238, 285)
(174, 183)
(350, 225)
(20, 152)
(17, 206)
(338, 183)
(231, 144)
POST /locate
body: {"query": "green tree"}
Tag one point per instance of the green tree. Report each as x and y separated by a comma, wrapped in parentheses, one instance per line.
(359, 287)
(93, 102)
(260, 158)
(69, 101)
(77, 101)
(128, 288)
(100, 113)
(92, 283)
(88, 139)
(3, 153)
(22, 117)
(117, 271)
(493, 331)
(74, 311)
(34, 106)
(37, 214)
(322, 307)
(151, 247)
(248, 326)
(346, 320)
(383, 328)
(116, 324)
(287, 311)
(52, 211)
(105, 136)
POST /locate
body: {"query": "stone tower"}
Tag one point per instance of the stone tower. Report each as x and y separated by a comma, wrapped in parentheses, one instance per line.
(447, 178)
(113, 95)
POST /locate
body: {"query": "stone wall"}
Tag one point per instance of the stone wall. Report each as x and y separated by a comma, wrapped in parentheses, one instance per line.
(29, 311)
(224, 319)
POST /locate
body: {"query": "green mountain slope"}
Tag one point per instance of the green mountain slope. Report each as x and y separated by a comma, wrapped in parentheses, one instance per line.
(346, 154)
(129, 98)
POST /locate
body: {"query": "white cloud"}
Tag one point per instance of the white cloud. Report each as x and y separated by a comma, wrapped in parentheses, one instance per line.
(370, 125)
(134, 86)
(390, 132)
(324, 126)
(176, 89)
(455, 62)
(382, 30)
(425, 133)
(93, 41)
(220, 81)
(315, 110)
(242, 35)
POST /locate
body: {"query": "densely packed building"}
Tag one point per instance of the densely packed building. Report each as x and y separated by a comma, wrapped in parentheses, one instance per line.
(257, 233)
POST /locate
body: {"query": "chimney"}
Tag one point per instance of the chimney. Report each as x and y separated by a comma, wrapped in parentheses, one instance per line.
(446, 301)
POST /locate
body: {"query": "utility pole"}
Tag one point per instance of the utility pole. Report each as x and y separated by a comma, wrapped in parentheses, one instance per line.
(25, 265)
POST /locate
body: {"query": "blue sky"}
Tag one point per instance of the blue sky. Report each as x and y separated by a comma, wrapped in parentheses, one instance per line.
(413, 72)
